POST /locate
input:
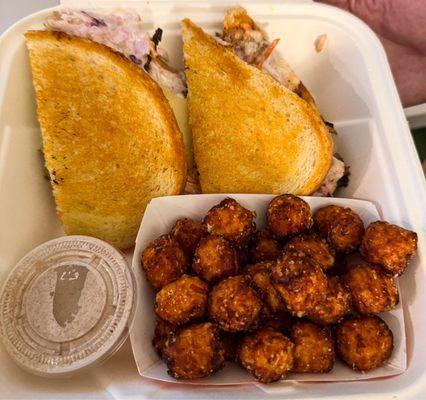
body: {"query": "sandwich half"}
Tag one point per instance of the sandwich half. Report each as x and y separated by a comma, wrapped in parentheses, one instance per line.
(250, 133)
(110, 139)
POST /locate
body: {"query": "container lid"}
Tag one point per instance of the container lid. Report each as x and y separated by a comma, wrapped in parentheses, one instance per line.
(67, 304)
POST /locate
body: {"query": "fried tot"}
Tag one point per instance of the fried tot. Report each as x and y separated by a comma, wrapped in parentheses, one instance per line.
(288, 215)
(215, 259)
(313, 348)
(188, 233)
(260, 279)
(300, 281)
(182, 301)
(372, 290)
(341, 227)
(194, 352)
(163, 261)
(263, 247)
(162, 332)
(364, 342)
(335, 306)
(315, 247)
(266, 354)
(389, 246)
(234, 305)
(230, 220)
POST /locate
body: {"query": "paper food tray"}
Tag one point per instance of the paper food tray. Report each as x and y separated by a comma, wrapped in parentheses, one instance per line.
(159, 218)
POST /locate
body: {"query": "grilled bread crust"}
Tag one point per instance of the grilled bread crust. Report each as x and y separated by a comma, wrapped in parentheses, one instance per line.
(110, 139)
(250, 134)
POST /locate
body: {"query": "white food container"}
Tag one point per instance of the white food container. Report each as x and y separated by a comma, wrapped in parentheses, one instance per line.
(353, 86)
(159, 218)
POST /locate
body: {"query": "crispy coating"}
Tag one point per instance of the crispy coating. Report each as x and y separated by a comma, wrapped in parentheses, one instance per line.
(288, 215)
(364, 342)
(183, 300)
(389, 246)
(162, 332)
(266, 354)
(262, 266)
(230, 220)
(188, 233)
(315, 247)
(341, 227)
(163, 261)
(215, 259)
(263, 247)
(300, 281)
(313, 348)
(372, 290)
(335, 306)
(234, 305)
(194, 352)
(260, 279)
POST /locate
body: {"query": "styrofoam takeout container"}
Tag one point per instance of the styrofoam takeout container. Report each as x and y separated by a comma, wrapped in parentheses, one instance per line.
(353, 86)
(159, 218)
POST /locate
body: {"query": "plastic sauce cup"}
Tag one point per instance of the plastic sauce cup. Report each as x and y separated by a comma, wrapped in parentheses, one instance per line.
(67, 305)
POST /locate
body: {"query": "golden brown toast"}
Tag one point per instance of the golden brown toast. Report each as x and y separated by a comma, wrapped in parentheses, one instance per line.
(250, 134)
(110, 139)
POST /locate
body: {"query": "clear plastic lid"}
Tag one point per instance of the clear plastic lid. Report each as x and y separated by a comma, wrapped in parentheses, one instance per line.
(66, 305)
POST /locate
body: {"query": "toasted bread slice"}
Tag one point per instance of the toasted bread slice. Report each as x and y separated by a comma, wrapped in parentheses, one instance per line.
(250, 134)
(110, 140)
